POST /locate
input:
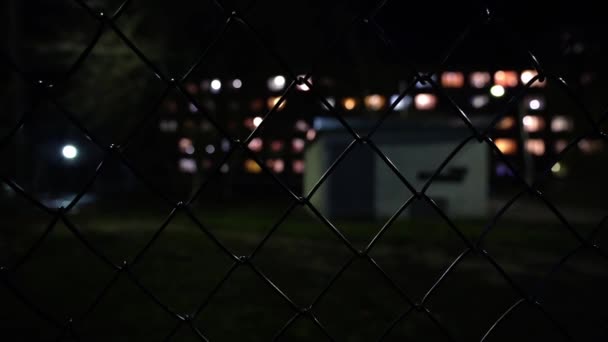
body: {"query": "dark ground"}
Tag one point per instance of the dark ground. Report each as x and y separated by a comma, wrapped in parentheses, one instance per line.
(182, 267)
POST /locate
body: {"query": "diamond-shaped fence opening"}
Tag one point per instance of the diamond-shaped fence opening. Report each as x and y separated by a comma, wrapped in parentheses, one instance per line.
(367, 170)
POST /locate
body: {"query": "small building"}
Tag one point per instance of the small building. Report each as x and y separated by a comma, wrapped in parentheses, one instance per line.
(417, 149)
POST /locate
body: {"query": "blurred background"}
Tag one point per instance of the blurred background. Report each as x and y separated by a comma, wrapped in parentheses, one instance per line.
(117, 112)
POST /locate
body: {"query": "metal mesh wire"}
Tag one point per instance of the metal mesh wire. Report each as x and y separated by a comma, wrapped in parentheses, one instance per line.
(106, 24)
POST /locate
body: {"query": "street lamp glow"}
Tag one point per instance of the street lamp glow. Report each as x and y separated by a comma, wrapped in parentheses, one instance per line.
(216, 85)
(257, 121)
(497, 90)
(535, 104)
(69, 152)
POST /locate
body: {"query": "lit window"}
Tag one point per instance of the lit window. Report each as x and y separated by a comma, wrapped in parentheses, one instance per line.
(276, 146)
(479, 79)
(560, 145)
(405, 102)
(185, 145)
(506, 78)
(278, 166)
(273, 100)
(298, 166)
(349, 103)
(210, 149)
(301, 126)
(304, 86)
(505, 123)
(236, 84)
(311, 134)
(168, 125)
(192, 108)
(297, 145)
(257, 121)
(561, 124)
(479, 101)
(533, 123)
(497, 90)
(425, 101)
(276, 83)
(588, 146)
(255, 144)
(252, 167)
(187, 165)
(506, 146)
(452, 79)
(216, 86)
(528, 75)
(535, 147)
(375, 102)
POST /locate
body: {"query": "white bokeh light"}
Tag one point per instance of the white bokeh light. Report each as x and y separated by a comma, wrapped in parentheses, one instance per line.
(69, 151)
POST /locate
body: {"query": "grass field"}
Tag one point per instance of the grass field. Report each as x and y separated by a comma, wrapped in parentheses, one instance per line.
(183, 266)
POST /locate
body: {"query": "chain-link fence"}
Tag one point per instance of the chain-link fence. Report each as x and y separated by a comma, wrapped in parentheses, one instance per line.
(424, 304)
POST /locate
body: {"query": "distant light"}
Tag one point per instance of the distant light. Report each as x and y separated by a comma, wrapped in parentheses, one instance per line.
(535, 147)
(534, 104)
(506, 123)
(426, 84)
(533, 123)
(560, 145)
(301, 126)
(452, 79)
(189, 150)
(276, 83)
(527, 76)
(225, 145)
(297, 145)
(298, 166)
(191, 88)
(192, 108)
(506, 146)
(273, 100)
(497, 90)
(278, 166)
(256, 144)
(403, 104)
(479, 101)
(374, 102)
(185, 145)
(502, 170)
(210, 149)
(556, 167)
(425, 101)
(225, 168)
(216, 86)
(506, 78)
(332, 102)
(252, 167)
(561, 124)
(168, 125)
(257, 121)
(311, 134)
(304, 86)
(479, 79)
(236, 84)
(349, 103)
(588, 146)
(69, 152)
(187, 165)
